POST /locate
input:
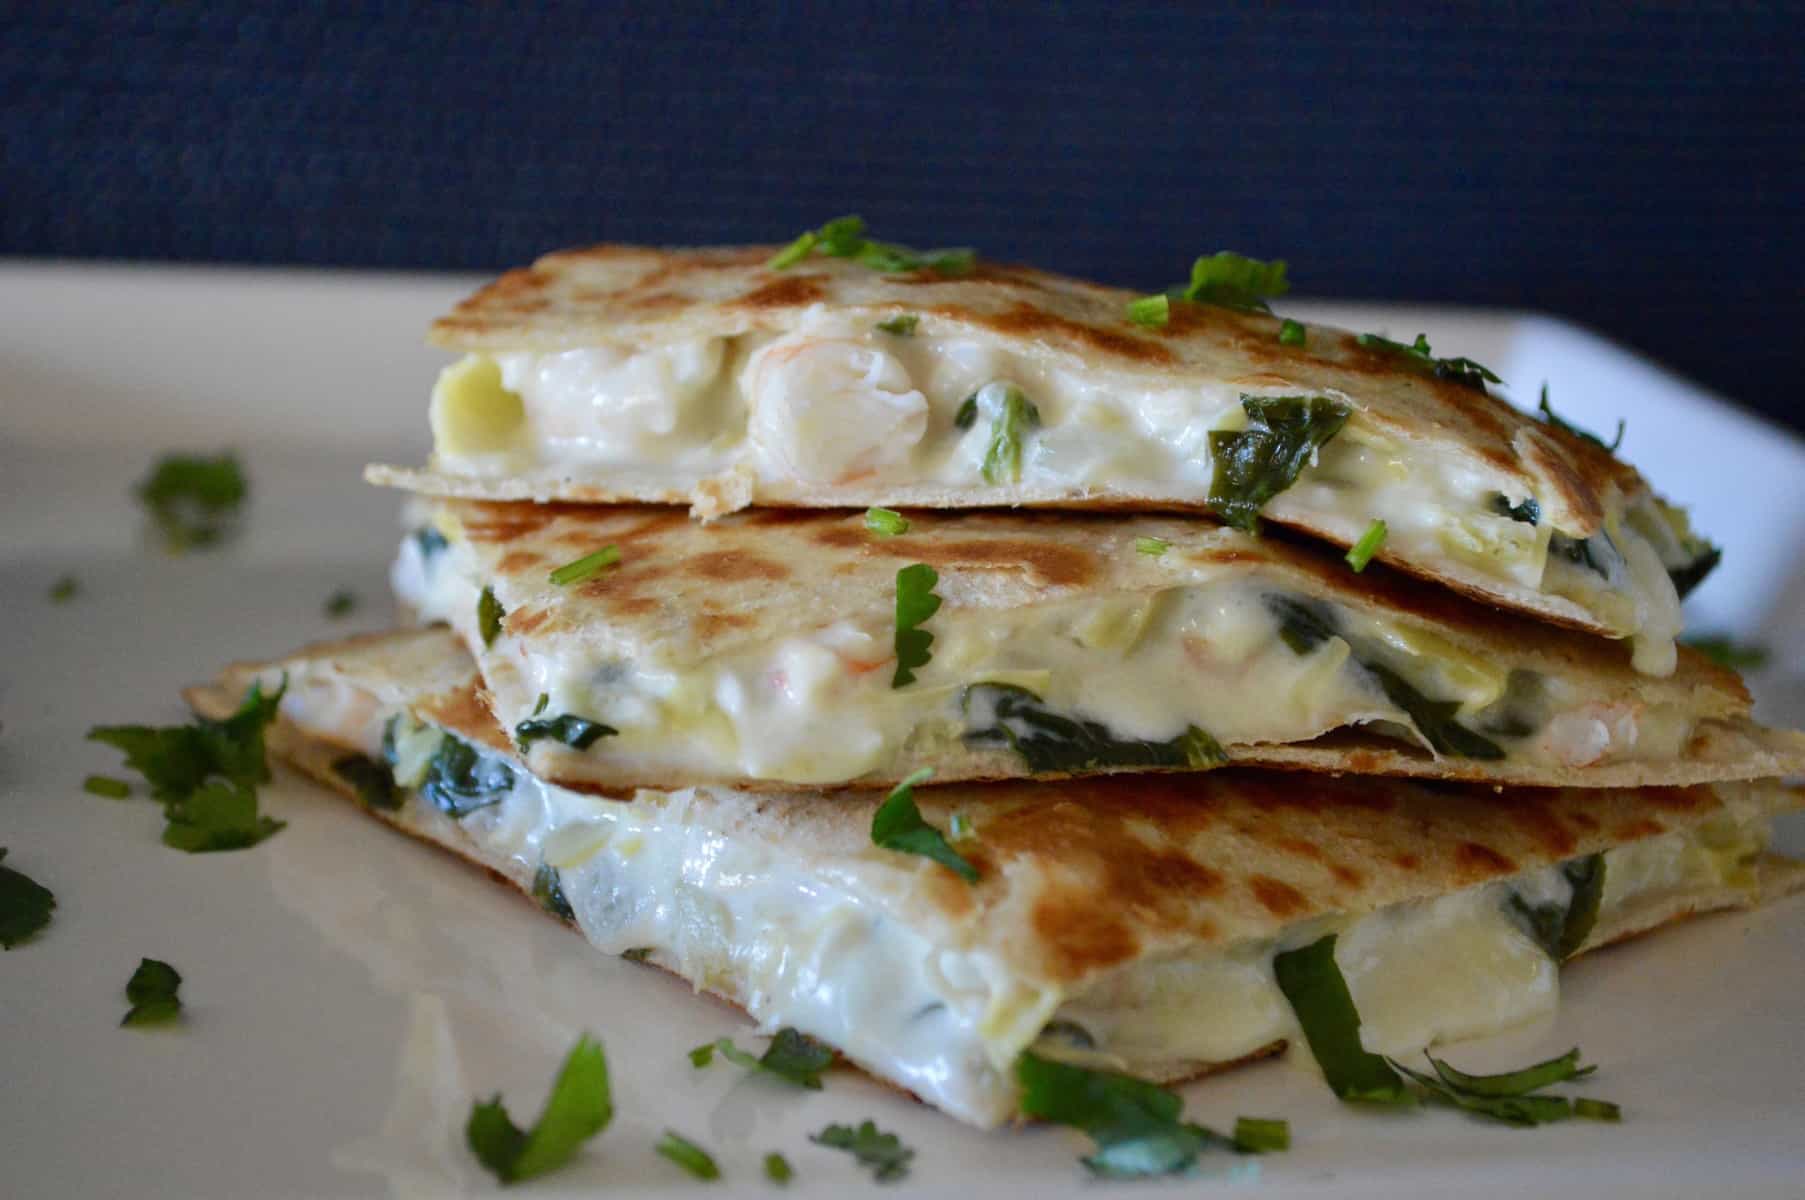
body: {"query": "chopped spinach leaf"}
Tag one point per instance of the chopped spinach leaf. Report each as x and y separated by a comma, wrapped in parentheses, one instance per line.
(1303, 624)
(152, 992)
(64, 589)
(844, 237)
(1548, 415)
(25, 905)
(192, 500)
(898, 825)
(886, 522)
(1291, 333)
(1689, 575)
(1136, 1125)
(340, 604)
(1561, 929)
(1528, 512)
(105, 785)
(587, 566)
(1318, 994)
(488, 616)
(1728, 652)
(1257, 463)
(548, 890)
(688, 1155)
(578, 1108)
(579, 733)
(1362, 551)
(881, 1153)
(1151, 311)
(1528, 1079)
(777, 1168)
(967, 416)
(1512, 1110)
(915, 603)
(902, 325)
(1463, 371)
(792, 1056)
(460, 780)
(373, 782)
(1050, 742)
(1015, 418)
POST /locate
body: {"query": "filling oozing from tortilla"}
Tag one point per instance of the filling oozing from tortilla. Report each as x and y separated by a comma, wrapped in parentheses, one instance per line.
(843, 404)
(1117, 681)
(830, 950)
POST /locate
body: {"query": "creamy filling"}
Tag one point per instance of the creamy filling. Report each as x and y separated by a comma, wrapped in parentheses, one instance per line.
(842, 404)
(1229, 658)
(812, 949)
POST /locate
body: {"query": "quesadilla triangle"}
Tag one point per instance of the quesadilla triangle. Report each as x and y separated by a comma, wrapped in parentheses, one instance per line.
(627, 374)
(760, 650)
(1450, 906)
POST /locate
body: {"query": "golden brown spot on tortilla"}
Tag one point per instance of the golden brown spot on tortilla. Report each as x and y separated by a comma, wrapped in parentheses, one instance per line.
(1473, 858)
(633, 604)
(1300, 847)
(517, 562)
(464, 713)
(526, 620)
(1047, 562)
(1025, 320)
(1406, 861)
(712, 622)
(789, 291)
(1585, 821)
(1278, 898)
(1636, 830)
(841, 537)
(1346, 875)
(1081, 937)
(1531, 814)
(727, 565)
(1680, 800)
(503, 521)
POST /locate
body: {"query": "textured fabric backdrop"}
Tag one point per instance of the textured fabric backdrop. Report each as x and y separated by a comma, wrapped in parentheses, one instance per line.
(1639, 171)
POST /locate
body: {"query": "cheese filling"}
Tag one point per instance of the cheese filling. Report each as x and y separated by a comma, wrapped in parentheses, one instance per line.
(815, 948)
(1238, 659)
(844, 404)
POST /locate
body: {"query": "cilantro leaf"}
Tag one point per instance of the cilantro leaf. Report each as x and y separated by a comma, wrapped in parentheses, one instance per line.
(106, 786)
(373, 782)
(777, 1168)
(1362, 551)
(1596, 1110)
(1230, 280)
(1136, 1125)
(64, 589)
(1728, 652)
(459, 780)
(898, 825)
(1015, 418)
(192, 500)
(579, 733)
(844, 237)
(205, 773)
(25, 906)
(590, 564)
(902, 325)
(886, 522)
(881, 1153)
(1262, 1135)
(792, 1056)
(1463, 371)
(1152, 311)
(1052, 742)
(1548, 415)
(1291, 333)
(1152, 547)
(548, 890)
(915, 603)
(1561, 929)
(578, 1108)
(489, 613)
(1318, 994)
(1255, 464)
(688, 1155)
(152, 992)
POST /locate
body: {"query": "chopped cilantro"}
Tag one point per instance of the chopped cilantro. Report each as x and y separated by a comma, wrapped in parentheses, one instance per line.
(107, 786)
(898, 825)
(578, 1108)
(205, 774)
(548, 890)
(1560, 1069)
(579, 733)
(341, 603)
(152, 992)
(792, 1056)
(1727, 652)
(844, 237)
(64, 589)
(1136, 1125)
(192, 500)
(1291, 333)
(1561, 929)
(1363, 550)
(1230, 280)
(459, 780)
(1509, 1097)
(1016, 416)
(901, 325)
(488, 616)
(777, 1168)
(585, 567)
(1596, 1110)
(1151, 546)
(886, 522)
(24, 905)
(1052, 742)
(1548, 415)
(1262, 1135)
(915, 603)
(1312, 982)
(883, 1154)
(1151, 311)
(539, 706)
(1463, 371)
(637, 954)
(373, 782)
(688, 1155)
(1255, 464)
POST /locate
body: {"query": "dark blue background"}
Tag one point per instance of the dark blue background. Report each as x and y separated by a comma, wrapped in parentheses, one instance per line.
(1640, 171)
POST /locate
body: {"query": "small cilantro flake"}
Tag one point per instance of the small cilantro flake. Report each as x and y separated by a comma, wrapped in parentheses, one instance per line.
(844, 237)
(106, 786)
(915, 603)
(1291, 333)
(883, 1154)
(1463, 371)
(637, 954)
(1597, 1110)
(1151, 311)
(1262, 1135)
(1136, 1125)
(898, 825)
(488, 616)
(548, 890)
(579, 733)
(578, 1108)
(152, 992)
(1547, 414)
(25, 906)
(902, 325)
(64, 589)
(587, 566)
(1230, 280)
(341, 604)
(792, 1056)
(777, 1168)
(193, 501)
(886, 522)
(688, 1155)
(1152, 547)
(1363, 550)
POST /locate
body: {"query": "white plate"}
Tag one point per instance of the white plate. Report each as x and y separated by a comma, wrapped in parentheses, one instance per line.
(350, 992)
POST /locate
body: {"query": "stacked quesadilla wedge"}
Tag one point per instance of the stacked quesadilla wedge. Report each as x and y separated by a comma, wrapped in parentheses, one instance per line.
(1116, 781)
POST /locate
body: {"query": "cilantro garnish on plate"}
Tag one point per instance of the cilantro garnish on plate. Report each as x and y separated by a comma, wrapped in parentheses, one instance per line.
(579, 1107)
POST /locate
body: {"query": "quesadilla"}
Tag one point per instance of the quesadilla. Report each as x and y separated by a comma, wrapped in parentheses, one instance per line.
(1451, 908)
(631, 647)
(706, 377)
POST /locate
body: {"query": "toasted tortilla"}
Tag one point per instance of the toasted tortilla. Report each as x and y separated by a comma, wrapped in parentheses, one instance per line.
(1197, 870)
(1083, 364)
(757, 651)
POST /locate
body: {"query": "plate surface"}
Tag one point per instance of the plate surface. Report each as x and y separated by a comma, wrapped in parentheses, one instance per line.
(350, 992)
